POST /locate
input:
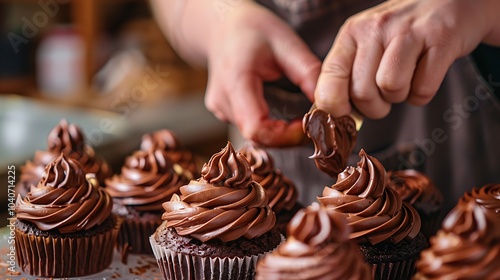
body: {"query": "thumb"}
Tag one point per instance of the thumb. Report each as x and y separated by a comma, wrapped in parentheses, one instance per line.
(332, 91)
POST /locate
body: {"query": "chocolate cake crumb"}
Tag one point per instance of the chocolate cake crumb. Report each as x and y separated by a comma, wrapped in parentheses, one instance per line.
(169, 238)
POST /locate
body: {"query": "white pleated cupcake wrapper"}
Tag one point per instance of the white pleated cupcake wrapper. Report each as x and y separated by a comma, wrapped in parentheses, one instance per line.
(177, 266)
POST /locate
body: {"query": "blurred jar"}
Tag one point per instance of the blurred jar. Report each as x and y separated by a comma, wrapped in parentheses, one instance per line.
(60, 62)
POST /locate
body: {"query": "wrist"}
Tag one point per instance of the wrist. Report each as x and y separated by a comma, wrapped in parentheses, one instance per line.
(197, 23)
(491, 9)
(201, 21)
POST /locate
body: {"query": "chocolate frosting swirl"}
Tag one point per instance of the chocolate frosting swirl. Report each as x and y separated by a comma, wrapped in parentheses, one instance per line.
(67, 139)
(416, 189)
(228, 168)
(451, 257)
(65, 200)
(166, 140)
(317, 247)
(162, 139)
(477, 215)
(375, 213)
(333, 138)
(315, 226)
(280, 191)
(468, 244)
(487, 196)
(148, 179)
(225, 203)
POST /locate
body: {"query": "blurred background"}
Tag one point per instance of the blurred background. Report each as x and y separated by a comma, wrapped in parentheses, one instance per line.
(103, 65)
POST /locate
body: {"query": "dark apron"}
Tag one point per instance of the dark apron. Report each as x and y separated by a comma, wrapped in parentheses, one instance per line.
(454, 139)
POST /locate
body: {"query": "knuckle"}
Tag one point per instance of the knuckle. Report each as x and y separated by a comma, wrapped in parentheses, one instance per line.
(335, 67)
(378, 112)
(390, 83)
(442, 34)
(211, 101)
(363, 95)
(421, 95)
(309, 69)
(372, 23)
(312, 67)
(349, 24)
(380, 20)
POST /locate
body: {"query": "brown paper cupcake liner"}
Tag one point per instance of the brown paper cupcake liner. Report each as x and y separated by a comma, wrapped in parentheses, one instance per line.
(394, 270)
(134, 235)
(53, 256)
(179, 266)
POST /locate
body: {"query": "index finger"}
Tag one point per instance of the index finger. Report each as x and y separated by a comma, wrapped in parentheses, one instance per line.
(279, 133)
(251, 116)
(332, 90)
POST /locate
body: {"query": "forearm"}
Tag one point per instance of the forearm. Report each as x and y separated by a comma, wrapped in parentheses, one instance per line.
(188, 25)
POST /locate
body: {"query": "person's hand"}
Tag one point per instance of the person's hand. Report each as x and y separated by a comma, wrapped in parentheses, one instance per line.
(400, 51)
(251, 45)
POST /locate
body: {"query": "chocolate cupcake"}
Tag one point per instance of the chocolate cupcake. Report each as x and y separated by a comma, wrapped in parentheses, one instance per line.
(386, 228)
(67, 139)
(219, 226)
(64, 226)
(317, 247)
(147, 179)
(468, 244)
(166, 140)
(420, 192)
(281, 192)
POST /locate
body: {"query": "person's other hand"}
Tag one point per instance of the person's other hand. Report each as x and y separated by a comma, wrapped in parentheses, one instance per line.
(399, 51)
(249, 46)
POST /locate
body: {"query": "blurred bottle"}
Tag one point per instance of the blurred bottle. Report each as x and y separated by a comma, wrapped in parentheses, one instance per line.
(60, 62)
